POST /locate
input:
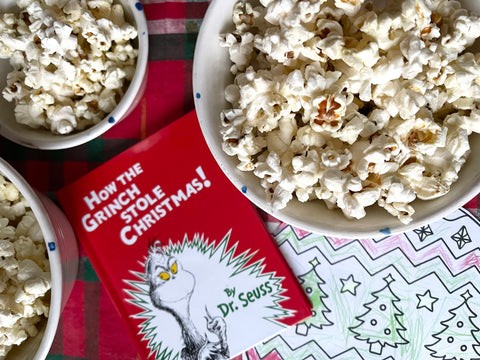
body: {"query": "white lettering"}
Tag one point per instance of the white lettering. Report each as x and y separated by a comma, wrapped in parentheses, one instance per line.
(88, 223)
(125, 238)
(93, 199)
(104, 194)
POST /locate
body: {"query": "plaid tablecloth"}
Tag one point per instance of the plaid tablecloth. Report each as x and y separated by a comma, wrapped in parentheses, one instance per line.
(90, 327)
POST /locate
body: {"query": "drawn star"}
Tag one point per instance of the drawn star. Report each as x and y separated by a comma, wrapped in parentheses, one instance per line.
(349, 285)
(466, 295)
(389, 278)
(426, 301)
(462, 237)
(423, 232)
(314, 262)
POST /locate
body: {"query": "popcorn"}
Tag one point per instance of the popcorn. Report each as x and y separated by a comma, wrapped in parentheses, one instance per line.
(25, 280)
(351, 104)
(62, 52)
(420, 134)
(334, 159)
(350, 7)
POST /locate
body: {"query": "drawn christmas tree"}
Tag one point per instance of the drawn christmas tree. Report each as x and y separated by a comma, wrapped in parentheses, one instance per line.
(381, 324)
(459, 338)
(311, 283)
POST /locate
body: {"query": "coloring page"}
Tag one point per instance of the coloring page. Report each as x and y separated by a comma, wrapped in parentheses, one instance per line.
(411, 296)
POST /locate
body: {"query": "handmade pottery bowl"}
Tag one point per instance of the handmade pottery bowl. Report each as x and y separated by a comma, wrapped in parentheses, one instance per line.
(44, 139)
(62, 253)
(211, 75)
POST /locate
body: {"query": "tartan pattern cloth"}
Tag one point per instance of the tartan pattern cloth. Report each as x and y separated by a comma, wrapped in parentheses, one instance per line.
(90, 327)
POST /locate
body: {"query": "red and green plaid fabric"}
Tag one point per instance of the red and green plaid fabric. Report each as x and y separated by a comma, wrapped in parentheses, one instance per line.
(90, 327)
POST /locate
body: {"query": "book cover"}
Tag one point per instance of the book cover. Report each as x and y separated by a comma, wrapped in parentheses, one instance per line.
(183, 254)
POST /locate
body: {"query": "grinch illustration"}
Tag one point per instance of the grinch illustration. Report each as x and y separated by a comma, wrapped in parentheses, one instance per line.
(171, 288)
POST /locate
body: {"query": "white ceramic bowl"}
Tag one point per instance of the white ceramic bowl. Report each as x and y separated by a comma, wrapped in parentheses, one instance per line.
(63, 256)
(211, 75)
(44, 139)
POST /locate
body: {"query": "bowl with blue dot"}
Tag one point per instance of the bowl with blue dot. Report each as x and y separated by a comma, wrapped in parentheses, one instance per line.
(39, 260)
(69, 70)
(269, 81)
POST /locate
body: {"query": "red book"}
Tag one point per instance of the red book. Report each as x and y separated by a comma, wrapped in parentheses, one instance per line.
(185, 257)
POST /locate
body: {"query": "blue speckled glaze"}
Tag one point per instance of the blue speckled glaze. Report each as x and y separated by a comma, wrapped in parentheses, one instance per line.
(52, 246)
(139, 6)
(111, 120)
(386, 231)
(244, 189)
(198, 95)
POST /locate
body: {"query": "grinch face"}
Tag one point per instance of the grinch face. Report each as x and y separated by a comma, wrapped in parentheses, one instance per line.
(168, 281)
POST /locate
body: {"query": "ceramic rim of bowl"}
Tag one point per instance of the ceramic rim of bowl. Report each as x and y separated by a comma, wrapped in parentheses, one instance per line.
(54, 257)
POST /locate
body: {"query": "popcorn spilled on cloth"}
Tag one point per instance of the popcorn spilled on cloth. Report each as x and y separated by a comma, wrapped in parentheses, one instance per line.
(352, 102)
(25, 280)
(72, 61)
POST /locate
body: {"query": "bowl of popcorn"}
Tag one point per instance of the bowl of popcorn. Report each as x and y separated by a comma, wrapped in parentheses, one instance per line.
(69, 69)
(345, 118)
(38, 267)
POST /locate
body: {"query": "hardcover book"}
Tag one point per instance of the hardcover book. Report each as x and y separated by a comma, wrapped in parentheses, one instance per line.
(185, 257)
